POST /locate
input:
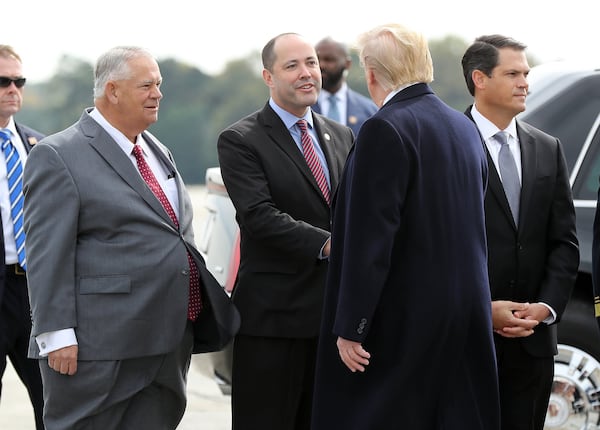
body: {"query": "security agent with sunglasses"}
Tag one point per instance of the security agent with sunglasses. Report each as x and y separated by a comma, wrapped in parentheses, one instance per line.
(15, 319)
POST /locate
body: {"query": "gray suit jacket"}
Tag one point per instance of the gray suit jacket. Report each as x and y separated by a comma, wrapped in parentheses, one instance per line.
(103, 255)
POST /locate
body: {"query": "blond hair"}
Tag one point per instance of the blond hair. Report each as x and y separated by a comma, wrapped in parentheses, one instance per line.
(7, 51)
(396, 54)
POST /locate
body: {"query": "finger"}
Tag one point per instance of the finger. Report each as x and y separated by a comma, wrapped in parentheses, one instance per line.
(360, 355)
(347, 360)
(358, 362)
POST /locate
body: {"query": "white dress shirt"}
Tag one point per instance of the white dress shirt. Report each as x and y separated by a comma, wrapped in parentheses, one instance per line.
(10, 246)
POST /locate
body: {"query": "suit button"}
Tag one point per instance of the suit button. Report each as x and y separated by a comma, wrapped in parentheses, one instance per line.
(360, 330)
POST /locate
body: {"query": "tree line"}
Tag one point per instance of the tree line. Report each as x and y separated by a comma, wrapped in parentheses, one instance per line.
(197, 106)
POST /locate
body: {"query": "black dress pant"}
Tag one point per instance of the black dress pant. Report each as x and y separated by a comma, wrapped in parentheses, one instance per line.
(15, 330)
(272, 383)
(525, 384)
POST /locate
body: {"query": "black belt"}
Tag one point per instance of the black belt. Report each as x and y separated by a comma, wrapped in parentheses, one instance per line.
(14, 269)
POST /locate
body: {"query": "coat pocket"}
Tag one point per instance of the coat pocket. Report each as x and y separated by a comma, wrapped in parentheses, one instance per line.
(110, 284)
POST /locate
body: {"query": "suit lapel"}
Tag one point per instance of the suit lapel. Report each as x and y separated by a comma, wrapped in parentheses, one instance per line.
(497, 189)
(326, 139)
(184, 216)
(495, 186)
(281, 136)
(116, 159)
(27, 139)
(528, 171)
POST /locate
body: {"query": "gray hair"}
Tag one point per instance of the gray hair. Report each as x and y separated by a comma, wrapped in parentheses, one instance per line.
(113, 65)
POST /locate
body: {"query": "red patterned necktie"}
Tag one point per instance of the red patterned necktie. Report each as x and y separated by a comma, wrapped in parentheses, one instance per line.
(195, 302)
(308, 148)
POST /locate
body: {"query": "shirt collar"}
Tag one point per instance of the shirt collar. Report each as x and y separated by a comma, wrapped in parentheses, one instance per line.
(11, 126)
(396, 91)
(124, 143)
(488, 129)
(289, 119)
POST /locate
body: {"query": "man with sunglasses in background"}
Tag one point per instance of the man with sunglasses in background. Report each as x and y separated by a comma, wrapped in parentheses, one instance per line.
(15, 321)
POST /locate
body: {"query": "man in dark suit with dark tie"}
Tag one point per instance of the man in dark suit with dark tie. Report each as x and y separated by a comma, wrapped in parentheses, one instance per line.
(337, 100)
(15, 319)
(533, 251)
(282, 208)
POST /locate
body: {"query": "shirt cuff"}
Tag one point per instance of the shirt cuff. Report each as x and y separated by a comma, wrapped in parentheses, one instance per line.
(552, 317)
(53, 340)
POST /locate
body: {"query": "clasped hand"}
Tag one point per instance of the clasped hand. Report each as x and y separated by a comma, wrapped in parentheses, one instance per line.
(514, 319)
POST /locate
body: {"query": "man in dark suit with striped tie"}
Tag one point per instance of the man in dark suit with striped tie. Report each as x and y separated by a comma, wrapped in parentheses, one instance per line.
(282, 208)
(15, 321)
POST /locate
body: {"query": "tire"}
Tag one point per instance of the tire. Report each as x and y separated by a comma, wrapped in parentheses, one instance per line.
(573, 401)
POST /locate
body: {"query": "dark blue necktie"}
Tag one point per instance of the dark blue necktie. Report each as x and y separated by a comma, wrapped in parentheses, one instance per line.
(14, 174)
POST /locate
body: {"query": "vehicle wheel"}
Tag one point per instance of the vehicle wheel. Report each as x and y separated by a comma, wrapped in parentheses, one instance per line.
(574, 399)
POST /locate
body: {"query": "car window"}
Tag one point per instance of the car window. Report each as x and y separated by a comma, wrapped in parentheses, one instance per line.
(586, 185)
(569, 115)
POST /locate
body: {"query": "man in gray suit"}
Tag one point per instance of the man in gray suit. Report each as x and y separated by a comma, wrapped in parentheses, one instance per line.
(111, 263)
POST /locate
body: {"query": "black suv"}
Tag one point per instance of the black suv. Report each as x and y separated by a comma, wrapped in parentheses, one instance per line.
(564, 100)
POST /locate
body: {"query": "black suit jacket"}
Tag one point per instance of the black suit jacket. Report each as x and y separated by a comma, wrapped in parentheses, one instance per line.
(284, 221)
(537, 260)
(29, 137)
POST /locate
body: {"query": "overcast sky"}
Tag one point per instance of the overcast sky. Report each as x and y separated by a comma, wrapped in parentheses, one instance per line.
(207, 34)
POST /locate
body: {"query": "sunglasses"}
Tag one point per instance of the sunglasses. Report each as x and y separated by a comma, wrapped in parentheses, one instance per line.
(5, 82)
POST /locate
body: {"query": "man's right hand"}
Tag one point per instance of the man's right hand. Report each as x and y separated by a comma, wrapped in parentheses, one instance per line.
(64, 360)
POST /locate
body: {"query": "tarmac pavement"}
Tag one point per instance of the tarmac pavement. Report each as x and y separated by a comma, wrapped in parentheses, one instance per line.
(207, 408)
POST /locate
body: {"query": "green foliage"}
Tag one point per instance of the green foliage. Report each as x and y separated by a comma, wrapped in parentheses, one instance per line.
(449, 83)
(196, 107)
(56, 104)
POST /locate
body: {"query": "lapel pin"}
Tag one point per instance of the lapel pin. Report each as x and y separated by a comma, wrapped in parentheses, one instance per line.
(32, 140)
(327, 136)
